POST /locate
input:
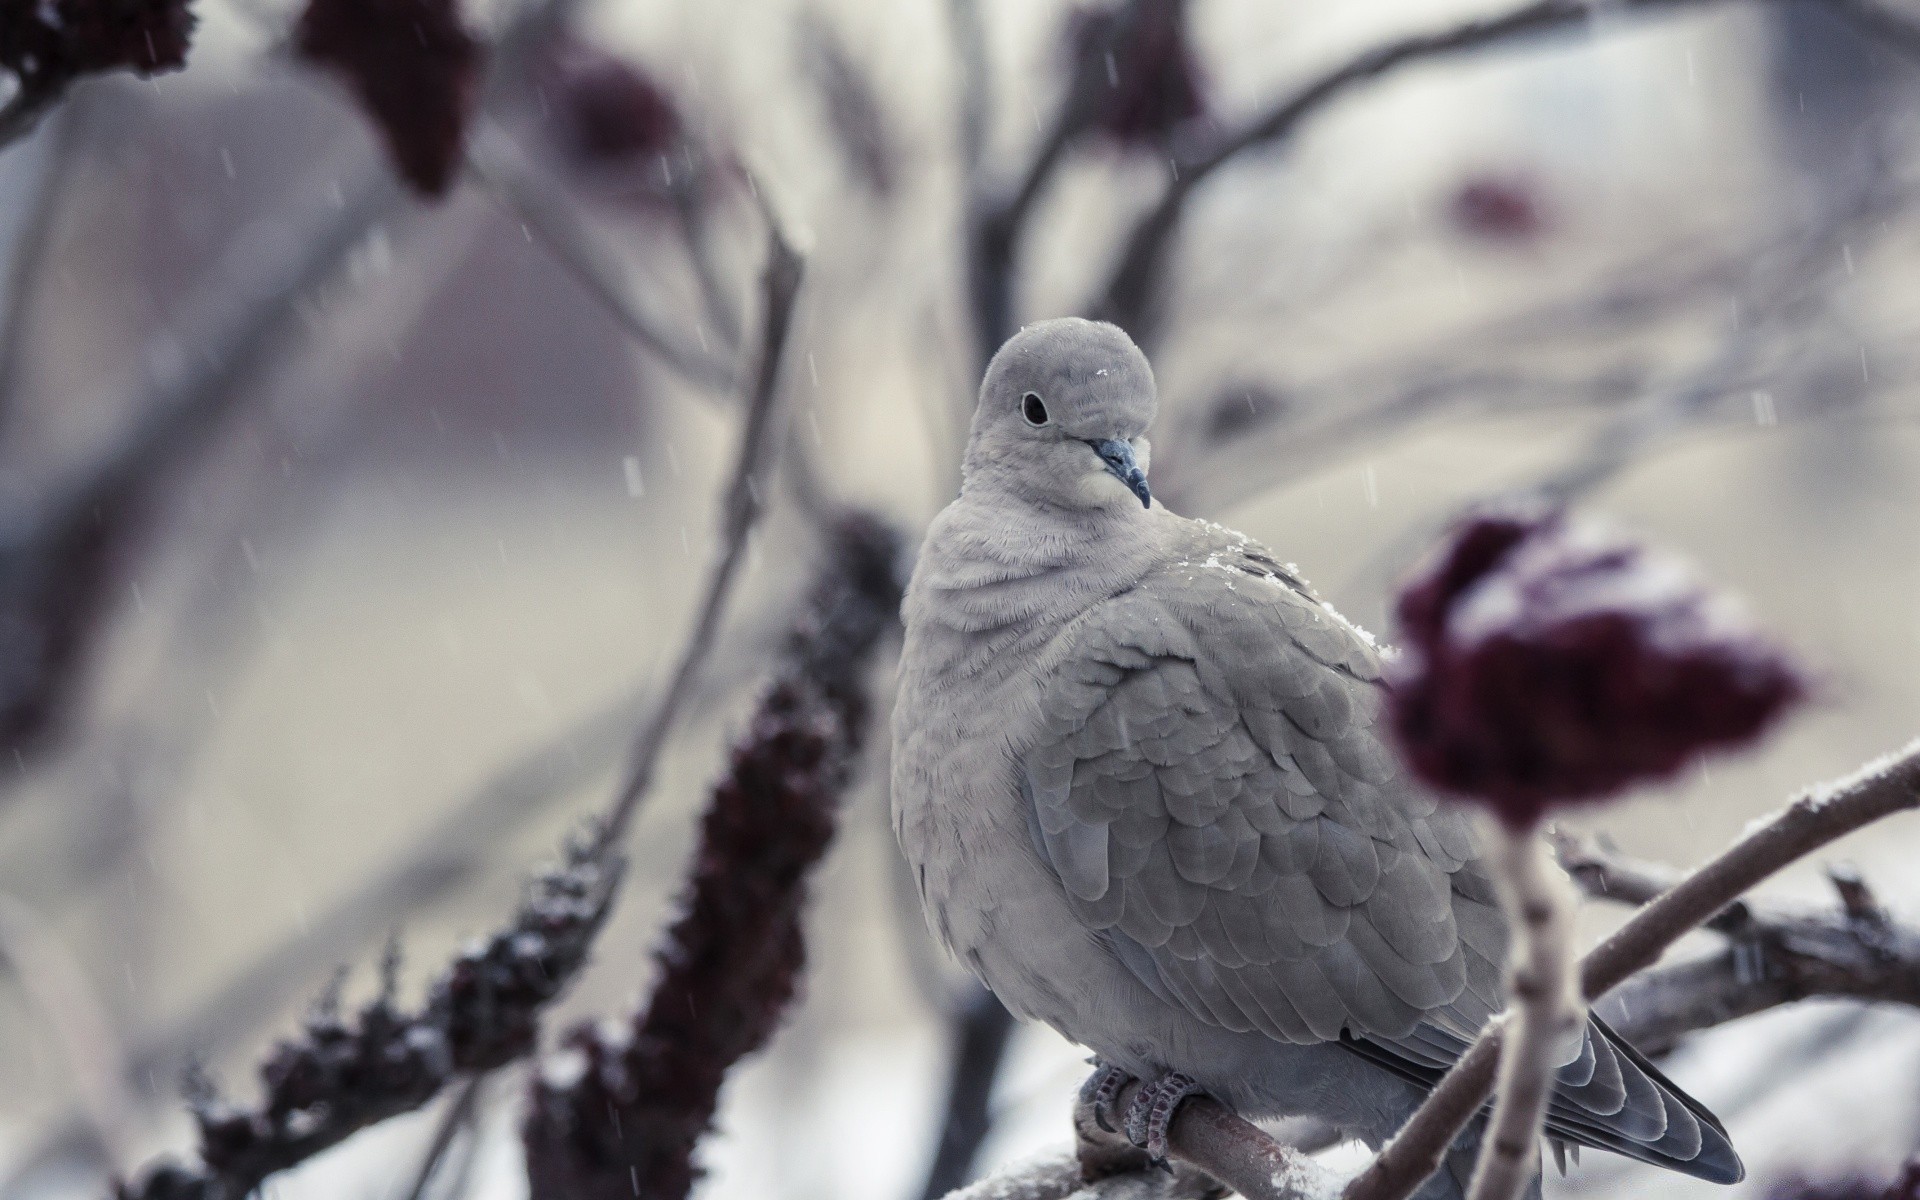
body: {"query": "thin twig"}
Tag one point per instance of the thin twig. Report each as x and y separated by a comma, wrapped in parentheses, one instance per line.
(1819, 816)
(35, 239)
(1135, 285)
(457, 1118)
(1544, 1007)
(1774, 954)
(995, 224)
(494, 160)
(1782, 957)
(976, 82)
(741, 507)
(978, 1029)
(82, 1028)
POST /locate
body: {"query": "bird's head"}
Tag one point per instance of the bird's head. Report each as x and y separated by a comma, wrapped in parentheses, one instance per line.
(1063, 415)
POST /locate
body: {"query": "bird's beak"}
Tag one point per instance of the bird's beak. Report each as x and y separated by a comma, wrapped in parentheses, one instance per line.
(1118, 456)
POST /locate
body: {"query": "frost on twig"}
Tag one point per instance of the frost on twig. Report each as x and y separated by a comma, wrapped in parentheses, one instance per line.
(628, 1119)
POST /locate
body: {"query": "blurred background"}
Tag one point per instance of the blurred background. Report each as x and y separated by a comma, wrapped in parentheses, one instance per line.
(392, 514)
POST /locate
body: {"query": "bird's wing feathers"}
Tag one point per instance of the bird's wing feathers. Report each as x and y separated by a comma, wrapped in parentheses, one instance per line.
(1213, 793)
(1225, 802)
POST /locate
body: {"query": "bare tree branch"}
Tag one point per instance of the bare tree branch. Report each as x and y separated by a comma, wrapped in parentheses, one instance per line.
(1543, 1011)
(35, 237)
(457, 1118)
(55, 561)
(521, 189)
(1819, 816)
(995, 224)
(1774, 954)
(740, 509)
(82, 1028)
(1135, 286)
(979, 1029)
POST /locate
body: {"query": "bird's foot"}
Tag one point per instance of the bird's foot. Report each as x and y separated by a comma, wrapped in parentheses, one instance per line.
(1151, 1113)
(1101, 1093)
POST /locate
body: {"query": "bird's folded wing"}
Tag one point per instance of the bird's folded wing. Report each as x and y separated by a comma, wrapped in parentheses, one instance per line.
(1212, 791)
(1214, 795)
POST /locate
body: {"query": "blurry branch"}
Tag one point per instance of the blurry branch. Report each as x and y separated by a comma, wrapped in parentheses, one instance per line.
(483, 1011)
(855, 114)
(458, 1119)
(1228, 448)
(83, 1030)
(1136, 284)
(525, 193)
(975, 83)
(1819, 816)
(740, 508)
(995, 223)
(56, 562)
(628, 1123)
(1779, 292)
(1775, 954)
(34, 238)
(978, 1031)
(1542, 1011)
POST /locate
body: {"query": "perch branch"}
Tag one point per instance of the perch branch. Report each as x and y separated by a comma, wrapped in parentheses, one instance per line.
(1058, 1177)
(1209, 1137)
(1819, 816)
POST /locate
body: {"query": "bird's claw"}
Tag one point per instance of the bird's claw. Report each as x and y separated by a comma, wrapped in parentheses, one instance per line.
(1102, 1090)
(1151, 1113)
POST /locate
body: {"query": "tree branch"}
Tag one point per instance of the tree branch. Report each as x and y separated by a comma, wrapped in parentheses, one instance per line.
(1819, 816)
(1544, 1008)
(1058, 1177)
(740, 509)
(1135, 283)
(1774, 954)
(1207, 1135)
(493, 159)
(482, 1012)
(994, 225)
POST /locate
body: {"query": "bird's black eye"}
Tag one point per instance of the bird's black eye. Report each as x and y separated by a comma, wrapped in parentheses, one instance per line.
(1033, 409)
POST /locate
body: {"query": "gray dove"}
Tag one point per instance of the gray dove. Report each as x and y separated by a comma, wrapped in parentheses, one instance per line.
(1140, 777)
